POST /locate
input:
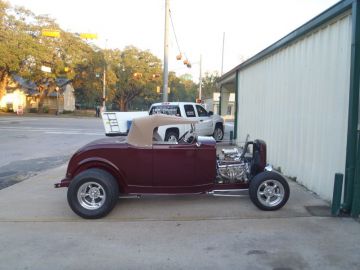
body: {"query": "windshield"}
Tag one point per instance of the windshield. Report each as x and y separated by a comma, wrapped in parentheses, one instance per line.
(166, 109)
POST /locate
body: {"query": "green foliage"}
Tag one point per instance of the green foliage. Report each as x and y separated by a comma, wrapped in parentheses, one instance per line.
(182, 88)
(45, 109)
(209, 84)
(33, 110)
(132, 73)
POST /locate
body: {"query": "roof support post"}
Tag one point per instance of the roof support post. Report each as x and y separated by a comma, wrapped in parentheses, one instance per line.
(352, 153)
(355, 207)
(236, 103)
(221, 87)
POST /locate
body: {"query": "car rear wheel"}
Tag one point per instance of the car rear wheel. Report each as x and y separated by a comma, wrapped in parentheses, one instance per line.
(218, 133)
(171, 136)
(93, 193)
(269, 191)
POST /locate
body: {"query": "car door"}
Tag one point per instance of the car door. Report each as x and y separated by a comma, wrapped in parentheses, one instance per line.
(174, 166)
(205, 125)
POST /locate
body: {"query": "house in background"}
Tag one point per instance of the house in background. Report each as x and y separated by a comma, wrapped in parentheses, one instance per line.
(61, 99)
(22, 94)
(213, 104)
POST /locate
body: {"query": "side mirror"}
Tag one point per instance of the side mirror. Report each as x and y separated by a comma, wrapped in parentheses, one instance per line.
(211, 113)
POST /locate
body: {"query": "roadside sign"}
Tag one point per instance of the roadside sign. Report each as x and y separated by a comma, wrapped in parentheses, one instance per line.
(88, 36)
(50, 33)
(46, 69)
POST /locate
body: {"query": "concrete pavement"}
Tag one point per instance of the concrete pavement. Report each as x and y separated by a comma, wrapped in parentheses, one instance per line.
(39, 231)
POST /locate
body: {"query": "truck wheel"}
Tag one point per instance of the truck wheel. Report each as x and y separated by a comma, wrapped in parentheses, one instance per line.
(218, 133)
(269, 191)
(93, 193)
(171, 136)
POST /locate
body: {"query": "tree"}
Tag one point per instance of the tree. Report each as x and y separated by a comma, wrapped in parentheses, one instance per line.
(19, 47)
(209, 84)
(24, 50)
(182, 88)
(137, 74)
(87, 79)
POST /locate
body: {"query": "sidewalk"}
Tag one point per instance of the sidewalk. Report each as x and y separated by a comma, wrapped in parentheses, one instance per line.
(39, 231)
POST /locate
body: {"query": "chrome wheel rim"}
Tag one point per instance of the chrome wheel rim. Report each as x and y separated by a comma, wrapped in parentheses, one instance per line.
(218, 134)
(91, 195)
(172, 138)
(270, 193)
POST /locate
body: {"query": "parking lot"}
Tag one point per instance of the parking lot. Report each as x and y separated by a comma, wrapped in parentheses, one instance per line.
(38, 230)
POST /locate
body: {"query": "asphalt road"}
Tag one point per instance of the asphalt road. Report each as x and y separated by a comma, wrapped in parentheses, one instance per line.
(33, 144)
(30, 145)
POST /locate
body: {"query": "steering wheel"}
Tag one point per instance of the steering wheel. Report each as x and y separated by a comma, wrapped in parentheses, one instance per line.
(191, 139)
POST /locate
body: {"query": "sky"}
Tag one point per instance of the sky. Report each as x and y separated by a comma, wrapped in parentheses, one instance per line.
(249, 26)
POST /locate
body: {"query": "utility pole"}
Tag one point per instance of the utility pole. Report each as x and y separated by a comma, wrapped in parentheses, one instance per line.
(166, 52)
(200, 77)
(222, 57)
(104, 87)
(57, 89)
(104, 80)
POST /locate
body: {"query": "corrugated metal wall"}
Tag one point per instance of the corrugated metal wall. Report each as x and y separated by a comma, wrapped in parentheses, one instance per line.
(297, 101)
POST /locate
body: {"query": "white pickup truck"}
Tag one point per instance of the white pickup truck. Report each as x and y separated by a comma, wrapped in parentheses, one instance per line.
(209, 124)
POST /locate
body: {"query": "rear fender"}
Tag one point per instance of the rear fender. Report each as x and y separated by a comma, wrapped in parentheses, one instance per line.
(104, 164)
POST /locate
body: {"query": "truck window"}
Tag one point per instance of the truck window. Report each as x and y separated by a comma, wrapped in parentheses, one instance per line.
(166, 109)
(189, 110)
(201, 111)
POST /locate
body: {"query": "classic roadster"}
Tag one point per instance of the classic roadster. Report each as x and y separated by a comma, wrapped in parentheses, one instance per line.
(105, 169)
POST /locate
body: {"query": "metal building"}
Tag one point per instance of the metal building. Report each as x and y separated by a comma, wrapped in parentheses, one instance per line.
(301, 95)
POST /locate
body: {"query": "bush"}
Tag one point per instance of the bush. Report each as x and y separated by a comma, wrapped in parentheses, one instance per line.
(45, 109)
(33, 110)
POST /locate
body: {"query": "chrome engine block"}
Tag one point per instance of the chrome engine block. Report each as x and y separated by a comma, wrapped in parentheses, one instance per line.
(232, 168)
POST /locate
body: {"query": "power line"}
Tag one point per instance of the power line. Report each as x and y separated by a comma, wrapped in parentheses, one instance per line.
(173, 28)
(186, 61)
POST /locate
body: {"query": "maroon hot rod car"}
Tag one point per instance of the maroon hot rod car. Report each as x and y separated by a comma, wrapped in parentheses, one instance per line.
(105, 169)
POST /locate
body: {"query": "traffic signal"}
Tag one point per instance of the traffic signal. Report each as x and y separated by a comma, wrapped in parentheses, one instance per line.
(158, 90)
(50, 33)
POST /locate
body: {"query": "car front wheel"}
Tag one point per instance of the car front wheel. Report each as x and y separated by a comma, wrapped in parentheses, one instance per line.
(218, 133)
(93, 193)
(269, 191)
